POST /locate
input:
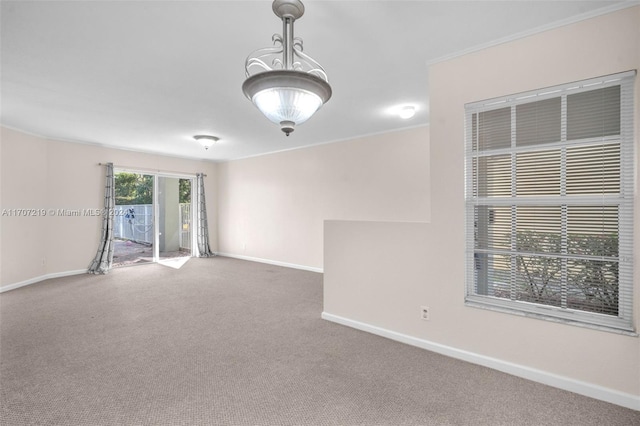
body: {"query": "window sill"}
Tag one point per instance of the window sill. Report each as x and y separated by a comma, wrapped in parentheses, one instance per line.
(495, 307)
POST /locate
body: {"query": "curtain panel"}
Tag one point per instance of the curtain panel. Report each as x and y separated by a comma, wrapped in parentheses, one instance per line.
(201, 211)
(103, 261)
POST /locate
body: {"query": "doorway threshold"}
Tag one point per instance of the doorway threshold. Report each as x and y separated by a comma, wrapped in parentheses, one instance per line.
(175, 263)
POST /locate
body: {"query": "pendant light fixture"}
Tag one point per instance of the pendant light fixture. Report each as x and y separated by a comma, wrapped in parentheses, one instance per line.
(286, 84)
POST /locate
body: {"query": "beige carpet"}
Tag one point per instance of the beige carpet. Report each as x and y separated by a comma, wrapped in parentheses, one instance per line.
(229, 342)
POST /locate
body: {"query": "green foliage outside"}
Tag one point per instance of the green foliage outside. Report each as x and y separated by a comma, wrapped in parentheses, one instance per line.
(134, 189)
(185, 191)
(597, 279)
(592, 277)
(539, 272)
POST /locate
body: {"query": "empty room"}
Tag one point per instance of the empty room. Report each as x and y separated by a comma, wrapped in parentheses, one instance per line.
(319, 212)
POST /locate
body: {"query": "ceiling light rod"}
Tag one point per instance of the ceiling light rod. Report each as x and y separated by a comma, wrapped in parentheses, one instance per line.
(287, 36)
(286, 85)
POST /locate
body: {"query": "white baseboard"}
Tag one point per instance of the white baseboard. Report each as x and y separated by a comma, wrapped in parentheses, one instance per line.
(272, 262)
(41, 278)
(550, 379)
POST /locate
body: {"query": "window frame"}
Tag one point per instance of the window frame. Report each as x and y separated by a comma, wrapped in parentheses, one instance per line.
(623, 322)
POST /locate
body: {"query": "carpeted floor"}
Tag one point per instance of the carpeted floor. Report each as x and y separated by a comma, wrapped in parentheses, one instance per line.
(229, 342)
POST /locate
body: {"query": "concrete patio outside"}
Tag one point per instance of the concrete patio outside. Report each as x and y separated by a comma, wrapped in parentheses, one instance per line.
(128, 252)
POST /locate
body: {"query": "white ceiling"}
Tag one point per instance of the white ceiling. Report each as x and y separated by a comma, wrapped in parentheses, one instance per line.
(148, 75)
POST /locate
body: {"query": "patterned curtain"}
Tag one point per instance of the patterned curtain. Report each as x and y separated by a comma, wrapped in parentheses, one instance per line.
(201, 212)
(104, 258)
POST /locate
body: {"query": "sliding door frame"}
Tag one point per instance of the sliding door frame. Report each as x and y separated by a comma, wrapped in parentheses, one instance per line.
(156, 205)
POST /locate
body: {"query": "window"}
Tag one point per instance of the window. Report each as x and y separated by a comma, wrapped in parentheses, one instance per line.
(549, 202)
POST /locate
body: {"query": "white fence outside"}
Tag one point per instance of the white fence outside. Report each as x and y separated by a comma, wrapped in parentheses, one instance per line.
(185, 226)
(135, 223)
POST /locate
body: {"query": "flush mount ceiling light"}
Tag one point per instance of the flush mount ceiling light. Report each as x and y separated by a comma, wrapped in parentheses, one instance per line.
(286, 85)
(407, 112)
(206, 140)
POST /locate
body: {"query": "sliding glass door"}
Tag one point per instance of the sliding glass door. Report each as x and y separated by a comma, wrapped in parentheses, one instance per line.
(174, 217)
(133, 219)
(153, 218)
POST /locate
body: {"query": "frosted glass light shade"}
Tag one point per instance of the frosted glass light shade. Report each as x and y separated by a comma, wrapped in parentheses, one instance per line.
(280, 104)
(206, 141)
(287, 97)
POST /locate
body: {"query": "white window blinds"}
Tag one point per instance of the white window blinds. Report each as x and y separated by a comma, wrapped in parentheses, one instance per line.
(549, 201)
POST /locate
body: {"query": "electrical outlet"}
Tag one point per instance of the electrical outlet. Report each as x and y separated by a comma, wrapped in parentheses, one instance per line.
(424, 313)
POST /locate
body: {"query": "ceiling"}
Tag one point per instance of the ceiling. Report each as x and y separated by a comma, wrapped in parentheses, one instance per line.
(148, 75)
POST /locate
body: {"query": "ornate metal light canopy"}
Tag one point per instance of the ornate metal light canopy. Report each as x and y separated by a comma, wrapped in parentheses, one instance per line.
(286, 85)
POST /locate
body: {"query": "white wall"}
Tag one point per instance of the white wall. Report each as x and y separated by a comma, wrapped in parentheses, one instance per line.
(378, 274)
(42, 173)
(272, 207)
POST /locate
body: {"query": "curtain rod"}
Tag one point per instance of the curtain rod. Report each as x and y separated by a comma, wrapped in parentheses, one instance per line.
(142, 169)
